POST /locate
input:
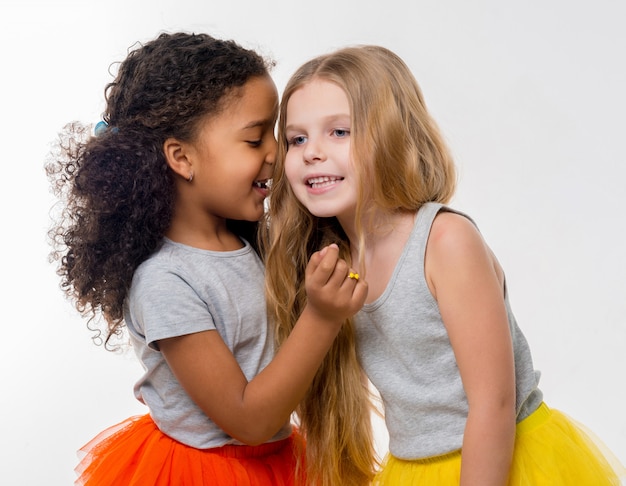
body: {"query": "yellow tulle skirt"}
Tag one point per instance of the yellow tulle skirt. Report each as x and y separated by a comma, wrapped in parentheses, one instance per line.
(550, 449)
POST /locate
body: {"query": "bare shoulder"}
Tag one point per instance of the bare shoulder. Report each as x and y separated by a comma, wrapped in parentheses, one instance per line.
(455, 244)
(453, 231)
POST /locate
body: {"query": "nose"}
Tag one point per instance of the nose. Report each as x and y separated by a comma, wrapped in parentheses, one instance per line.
(270, 157)
(313, 153)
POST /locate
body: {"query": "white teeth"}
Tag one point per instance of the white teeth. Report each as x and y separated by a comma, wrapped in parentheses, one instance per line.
(266, 184)
(322, 181)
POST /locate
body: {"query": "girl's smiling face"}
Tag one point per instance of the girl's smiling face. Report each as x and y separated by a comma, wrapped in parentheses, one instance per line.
(235, 153)
(318, 164)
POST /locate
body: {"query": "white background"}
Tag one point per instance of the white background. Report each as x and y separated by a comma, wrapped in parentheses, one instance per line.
(530, 96)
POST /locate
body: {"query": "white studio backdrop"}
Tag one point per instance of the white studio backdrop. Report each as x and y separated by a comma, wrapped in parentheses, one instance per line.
(529, 95)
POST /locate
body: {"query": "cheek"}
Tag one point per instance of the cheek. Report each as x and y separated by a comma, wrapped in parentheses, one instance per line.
(291, 172)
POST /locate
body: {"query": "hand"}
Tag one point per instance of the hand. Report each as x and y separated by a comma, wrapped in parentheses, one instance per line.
(331, 294)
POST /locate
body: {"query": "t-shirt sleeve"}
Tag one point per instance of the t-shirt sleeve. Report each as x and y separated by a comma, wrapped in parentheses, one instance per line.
(163, 304)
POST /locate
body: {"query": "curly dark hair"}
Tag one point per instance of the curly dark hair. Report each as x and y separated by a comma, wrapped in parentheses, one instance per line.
(116, 189)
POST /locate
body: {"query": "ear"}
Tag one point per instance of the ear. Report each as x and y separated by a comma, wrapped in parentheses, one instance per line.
(177, 159)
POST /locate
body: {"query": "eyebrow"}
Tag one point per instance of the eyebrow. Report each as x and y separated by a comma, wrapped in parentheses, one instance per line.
(259, 123)
(270, 121)
(325, 120)
(256, 123)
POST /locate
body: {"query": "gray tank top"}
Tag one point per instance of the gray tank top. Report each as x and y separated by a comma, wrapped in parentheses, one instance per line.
(404, 348)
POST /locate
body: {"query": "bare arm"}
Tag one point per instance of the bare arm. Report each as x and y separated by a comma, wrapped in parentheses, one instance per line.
(468, 285)
(254, 411)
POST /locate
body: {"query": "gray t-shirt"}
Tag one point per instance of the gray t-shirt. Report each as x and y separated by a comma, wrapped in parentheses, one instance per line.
(182, 290)
(404, 348)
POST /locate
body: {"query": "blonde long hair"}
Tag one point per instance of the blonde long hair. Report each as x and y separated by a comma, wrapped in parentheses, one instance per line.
(401, 162)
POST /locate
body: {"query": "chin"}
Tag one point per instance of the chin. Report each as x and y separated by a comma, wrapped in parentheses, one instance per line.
(323, 214)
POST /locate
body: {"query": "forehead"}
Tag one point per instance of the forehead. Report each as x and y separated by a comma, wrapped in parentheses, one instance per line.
(257, 96)
(316, 98)
(255, 101)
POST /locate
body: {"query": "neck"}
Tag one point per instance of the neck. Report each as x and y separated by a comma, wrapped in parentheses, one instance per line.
(383, 232)
(202, 231)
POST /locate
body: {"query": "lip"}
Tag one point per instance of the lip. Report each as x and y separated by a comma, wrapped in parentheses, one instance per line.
(262, 186)
(321, 183)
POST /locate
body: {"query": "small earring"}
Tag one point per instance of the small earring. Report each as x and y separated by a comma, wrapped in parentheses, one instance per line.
(190, 178)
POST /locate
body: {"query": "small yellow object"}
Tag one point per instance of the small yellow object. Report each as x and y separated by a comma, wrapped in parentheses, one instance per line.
(353, 276)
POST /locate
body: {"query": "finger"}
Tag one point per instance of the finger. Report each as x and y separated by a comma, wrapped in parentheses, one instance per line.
(339, 274)
(357, 286)
(360, 293)
(350, 278)
(322, 264)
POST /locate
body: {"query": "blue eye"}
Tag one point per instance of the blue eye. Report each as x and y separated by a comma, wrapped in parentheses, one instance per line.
(341, 132)
(299, 140)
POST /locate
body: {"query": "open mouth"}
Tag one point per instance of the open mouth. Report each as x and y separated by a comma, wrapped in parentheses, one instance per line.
(324, 181)
(264, 184)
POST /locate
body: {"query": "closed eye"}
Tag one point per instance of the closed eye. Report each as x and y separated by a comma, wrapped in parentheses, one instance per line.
(254, 143)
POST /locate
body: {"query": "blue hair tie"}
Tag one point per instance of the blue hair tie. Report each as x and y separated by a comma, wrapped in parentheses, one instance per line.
(100, 128)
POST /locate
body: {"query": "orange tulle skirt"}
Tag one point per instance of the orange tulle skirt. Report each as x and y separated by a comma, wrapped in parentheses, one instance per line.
(550, 449)
(136, 453)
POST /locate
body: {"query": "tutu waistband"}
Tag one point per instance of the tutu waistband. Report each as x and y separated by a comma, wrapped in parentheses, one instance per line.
(245, 451)
(535, 419)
